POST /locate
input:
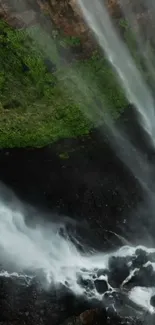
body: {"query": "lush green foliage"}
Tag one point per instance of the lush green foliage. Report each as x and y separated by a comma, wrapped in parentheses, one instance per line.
(42, 97)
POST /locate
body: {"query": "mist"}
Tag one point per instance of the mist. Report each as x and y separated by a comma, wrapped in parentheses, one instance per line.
(47, 249)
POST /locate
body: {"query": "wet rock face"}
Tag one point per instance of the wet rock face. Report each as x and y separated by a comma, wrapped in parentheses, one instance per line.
(65, 14)
(114, 284)
(52, 16)
(119, 270)
(33, 305)
(152, 301)
(139, 265)
(144, 277)
(19, 14)
(140, 259)
(28, 302)
(98, 317)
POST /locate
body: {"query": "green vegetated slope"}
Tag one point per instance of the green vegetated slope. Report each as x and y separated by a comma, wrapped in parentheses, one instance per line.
(44, 97)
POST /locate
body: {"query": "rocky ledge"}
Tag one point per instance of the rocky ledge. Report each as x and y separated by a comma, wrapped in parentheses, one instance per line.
(25, 301)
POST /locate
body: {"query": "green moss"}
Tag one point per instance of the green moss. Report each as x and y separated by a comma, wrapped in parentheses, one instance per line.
(38, 105)
(94, 85)
(70, 41)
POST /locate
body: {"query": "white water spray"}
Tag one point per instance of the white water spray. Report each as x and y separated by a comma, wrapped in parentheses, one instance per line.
(45, 251)
(41, 248)
(117, 53)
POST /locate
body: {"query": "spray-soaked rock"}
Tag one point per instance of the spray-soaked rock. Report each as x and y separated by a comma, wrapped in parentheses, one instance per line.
(118, 270)
(85, 283)
(151, 257)
(118, 299)
(144, 277)
(111, 311)
(102, 317)
(101, 285)
(140, 259)
(108, 299)
(152, 301)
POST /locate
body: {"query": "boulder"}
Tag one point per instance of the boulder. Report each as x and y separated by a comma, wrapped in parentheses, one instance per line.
(89, 317)
(140, 259)
(101, 285)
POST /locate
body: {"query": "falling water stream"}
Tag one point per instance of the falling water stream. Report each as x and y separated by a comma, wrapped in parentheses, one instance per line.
(54, 255)
(118, 54)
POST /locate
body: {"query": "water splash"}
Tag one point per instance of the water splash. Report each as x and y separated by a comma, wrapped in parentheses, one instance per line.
(24, 279)
(46, 250)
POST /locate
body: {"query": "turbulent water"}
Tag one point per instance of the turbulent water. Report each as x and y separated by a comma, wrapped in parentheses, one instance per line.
(48, 253)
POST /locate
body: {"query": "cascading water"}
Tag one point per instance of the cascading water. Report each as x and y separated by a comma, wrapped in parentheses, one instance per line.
(135, 87)
(117, 53)
(137, 91)
(28, 251)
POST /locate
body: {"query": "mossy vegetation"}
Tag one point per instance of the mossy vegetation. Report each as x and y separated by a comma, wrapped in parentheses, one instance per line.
(43, 97)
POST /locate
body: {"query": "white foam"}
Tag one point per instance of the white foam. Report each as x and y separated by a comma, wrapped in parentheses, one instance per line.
(141, 296)
(43, 249)
(26, 279)
(150, 263)
(132, 273)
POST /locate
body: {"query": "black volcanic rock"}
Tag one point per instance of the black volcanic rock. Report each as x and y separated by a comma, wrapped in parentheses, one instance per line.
(151, 257)
(118, 271)
(152, 301)
(144, 277)
(140, 259)
(102, 317)
(85, 283)
(108, 299)
(87, 186)
(101, 285)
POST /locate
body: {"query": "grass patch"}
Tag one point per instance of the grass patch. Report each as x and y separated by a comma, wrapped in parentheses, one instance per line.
(41, 98)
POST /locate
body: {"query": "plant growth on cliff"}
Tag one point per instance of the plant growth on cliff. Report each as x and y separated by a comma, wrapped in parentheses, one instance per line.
(42, 96)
